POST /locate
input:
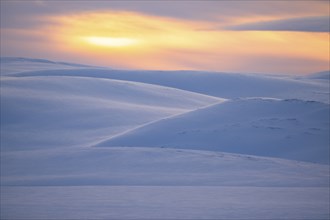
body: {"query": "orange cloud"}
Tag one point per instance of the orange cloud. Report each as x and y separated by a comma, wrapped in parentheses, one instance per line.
(133, 40)
(146, 31)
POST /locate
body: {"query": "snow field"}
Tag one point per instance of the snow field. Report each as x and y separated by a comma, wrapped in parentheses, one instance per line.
(82, 142)
(165, 202)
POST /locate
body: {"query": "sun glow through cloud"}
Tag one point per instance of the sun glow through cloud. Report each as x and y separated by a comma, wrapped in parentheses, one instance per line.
(125, 39)
(110, 41)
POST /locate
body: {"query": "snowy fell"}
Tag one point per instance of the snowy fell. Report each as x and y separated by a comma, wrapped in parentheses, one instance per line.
(47, 112)
(86, 142)
(290, 129)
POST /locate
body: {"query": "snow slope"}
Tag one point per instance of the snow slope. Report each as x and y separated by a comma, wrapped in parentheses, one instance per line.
(223, 85)
(10, 65)
(154, 183)
(159, 203)
(166, 130)
(38, 112)
(324, 75)
(155, 167)
(158, 183)
(291, 129)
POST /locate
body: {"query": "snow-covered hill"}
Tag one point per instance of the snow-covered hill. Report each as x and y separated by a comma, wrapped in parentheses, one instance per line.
(223, 85)
(324, 75)
(93, 142)
(291, 129)
(43, 112)
(11, 65)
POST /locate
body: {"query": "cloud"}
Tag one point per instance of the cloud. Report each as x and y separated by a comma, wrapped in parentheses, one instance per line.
(15, 13)
(303, 24)
(164, 40)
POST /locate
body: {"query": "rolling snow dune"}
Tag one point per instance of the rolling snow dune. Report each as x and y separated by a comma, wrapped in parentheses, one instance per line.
(11, 65)
(38, 112)
(155, 167)
(223, 85)
(82, 142)
(291, 129)
(324, 75)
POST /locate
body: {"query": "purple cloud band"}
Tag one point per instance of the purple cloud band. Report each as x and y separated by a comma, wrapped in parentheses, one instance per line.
(303, 24)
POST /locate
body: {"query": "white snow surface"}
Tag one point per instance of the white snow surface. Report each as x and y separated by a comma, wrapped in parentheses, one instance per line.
(165, 202)
(39, 112)
(82, 142)
(10, 65)
(291, 129)
(155, 166)
(223, 85)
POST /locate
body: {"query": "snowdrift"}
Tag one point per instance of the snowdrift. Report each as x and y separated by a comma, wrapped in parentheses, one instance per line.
(41, 112)
(83, 142)
(155, 167)
(291, 129)
(10, 65)
(223, 85)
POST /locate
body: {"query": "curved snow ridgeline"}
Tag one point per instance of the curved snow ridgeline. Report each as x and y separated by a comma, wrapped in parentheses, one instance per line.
(291, 129)
(43, 112)
(82, 106)
(82, 142)
(223, 85)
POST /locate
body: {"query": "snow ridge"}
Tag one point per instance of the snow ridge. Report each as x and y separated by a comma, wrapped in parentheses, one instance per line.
(78, 141)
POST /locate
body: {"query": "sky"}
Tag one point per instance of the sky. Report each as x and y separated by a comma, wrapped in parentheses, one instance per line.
(271, 37)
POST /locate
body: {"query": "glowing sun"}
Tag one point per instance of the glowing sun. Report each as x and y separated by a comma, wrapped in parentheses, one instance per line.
(110, 41)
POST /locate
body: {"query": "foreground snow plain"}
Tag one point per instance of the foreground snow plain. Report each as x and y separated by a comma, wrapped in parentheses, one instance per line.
(170, 202)
(81, 142)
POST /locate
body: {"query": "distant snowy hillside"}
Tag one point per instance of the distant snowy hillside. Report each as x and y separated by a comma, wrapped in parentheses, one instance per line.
(291, 129)
(82, 142)
(43, 112)
(10, 65)
(224, 85)
(325, 75)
